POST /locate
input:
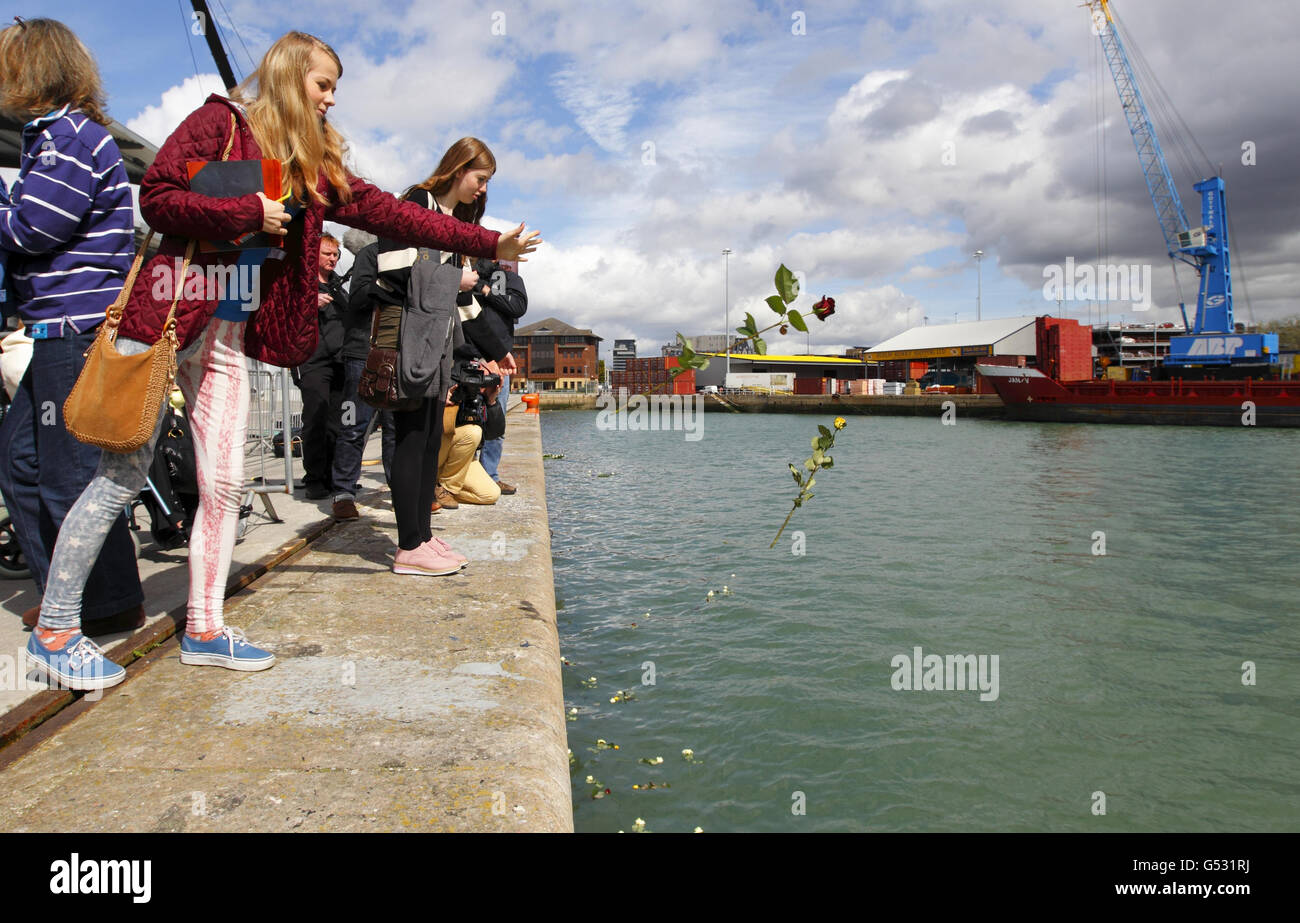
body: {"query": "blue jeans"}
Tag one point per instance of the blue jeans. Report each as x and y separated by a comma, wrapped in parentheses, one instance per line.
(43, 471)
(351, 443)
(491, 455)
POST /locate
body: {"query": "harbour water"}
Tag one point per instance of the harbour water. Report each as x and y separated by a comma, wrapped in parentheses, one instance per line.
(1153, 687)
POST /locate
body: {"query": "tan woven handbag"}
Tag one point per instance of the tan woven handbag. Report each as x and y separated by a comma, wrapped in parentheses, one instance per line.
(115, 403)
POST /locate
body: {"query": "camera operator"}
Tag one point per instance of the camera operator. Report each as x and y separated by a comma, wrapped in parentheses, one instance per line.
(488, 315)
(473, 411)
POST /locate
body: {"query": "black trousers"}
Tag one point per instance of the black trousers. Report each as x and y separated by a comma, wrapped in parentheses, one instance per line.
(321, 382)
(415, 472)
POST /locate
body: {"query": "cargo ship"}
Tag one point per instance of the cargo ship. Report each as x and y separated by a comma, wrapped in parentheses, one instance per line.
(1030, 395)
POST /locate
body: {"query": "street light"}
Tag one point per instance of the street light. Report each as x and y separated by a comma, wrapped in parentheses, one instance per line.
(979, 286)
(726, 309)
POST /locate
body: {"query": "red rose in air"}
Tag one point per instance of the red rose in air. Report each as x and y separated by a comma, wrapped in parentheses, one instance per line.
(824, 308)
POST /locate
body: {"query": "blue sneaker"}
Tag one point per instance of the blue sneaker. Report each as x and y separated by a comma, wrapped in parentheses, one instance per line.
(79, 664)
(230, 650)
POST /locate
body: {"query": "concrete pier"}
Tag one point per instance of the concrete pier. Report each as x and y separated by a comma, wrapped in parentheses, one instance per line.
(397, 702)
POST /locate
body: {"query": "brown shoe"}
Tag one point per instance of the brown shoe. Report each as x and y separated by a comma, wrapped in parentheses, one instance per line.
(506, 489)
(127, 620)
(445, 499)
(345, 509)
(32, 616)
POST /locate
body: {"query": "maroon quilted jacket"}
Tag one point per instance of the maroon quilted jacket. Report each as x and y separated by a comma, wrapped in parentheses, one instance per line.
(283, 330)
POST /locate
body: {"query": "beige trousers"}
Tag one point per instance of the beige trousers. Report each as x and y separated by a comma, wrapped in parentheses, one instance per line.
(458, 472)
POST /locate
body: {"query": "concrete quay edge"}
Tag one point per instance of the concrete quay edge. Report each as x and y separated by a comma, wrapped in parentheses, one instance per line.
(397, 703)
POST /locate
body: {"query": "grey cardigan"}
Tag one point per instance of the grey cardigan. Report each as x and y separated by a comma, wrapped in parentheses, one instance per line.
(430, 327)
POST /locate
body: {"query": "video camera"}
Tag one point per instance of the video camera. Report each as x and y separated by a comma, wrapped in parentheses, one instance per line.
(472, 381)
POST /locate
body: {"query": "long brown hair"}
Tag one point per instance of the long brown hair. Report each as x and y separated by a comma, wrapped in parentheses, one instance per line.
(285, 124)
(44, 66)
(465, 154)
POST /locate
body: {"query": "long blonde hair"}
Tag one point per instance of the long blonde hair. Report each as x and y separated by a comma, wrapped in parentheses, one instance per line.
(285, 124)
(44, 66)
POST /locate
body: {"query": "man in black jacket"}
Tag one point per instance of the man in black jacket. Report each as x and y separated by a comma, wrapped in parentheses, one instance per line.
(356, 413)
(488, 322)
(320, 378)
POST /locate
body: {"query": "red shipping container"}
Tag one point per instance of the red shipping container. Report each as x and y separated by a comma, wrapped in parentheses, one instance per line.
(810, 385)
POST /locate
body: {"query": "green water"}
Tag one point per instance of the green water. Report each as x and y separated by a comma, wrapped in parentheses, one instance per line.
(1119, 673)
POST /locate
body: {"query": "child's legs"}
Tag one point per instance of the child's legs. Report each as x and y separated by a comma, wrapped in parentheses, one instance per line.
(117, 480)
(215, 383)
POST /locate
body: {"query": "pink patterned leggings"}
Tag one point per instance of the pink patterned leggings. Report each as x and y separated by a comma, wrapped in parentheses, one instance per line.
(213, 375)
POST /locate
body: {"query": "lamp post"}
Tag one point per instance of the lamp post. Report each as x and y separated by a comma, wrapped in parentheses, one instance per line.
(979, 285)
(726, 311)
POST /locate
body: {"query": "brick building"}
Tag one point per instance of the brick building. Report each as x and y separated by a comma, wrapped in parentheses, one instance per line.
(554, 356)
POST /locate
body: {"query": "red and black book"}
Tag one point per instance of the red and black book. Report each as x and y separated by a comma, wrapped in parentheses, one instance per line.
(230, 179)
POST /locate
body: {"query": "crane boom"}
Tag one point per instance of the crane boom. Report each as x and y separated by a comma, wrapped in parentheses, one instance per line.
(1160, 183)
(1205, 247)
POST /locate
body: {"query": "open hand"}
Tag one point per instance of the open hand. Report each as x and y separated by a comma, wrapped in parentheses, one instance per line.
(512, 245)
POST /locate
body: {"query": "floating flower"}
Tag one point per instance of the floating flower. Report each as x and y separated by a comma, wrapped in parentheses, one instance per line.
(688, 754)
(588, 683)
(591, 780)
(638, 826)
(698, 830)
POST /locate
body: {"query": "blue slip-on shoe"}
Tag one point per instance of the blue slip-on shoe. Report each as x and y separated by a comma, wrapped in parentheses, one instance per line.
(230, 650)
(79, 664)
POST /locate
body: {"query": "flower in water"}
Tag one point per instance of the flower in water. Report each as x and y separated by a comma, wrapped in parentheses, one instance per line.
(698, 830)
(591, 780)
(688, 754)
(638, 826)
(840, 423)
(710, 596)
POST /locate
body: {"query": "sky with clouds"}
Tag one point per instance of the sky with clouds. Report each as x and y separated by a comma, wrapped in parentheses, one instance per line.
(870, 146)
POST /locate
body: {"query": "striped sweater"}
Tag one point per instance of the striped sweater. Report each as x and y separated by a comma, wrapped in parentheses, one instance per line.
(67, 221)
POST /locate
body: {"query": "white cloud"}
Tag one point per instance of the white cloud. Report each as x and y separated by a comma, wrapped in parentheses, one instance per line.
(156, 122)
(601, 111)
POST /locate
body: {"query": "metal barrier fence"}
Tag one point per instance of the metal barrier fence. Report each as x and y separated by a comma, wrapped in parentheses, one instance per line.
(274, 409)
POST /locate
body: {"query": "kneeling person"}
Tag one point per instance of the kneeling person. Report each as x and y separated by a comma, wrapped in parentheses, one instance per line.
(474, 398)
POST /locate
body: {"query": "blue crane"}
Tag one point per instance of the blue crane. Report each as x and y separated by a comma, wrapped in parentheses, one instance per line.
(1212, 340)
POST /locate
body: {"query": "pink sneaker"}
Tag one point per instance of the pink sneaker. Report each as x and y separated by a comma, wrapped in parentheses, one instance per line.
(425, 561)
(441, 547)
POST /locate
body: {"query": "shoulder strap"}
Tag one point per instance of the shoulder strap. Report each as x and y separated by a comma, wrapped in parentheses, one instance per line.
(230, 142)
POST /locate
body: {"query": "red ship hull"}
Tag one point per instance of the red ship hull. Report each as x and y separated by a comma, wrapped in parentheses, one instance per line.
(1030, 395)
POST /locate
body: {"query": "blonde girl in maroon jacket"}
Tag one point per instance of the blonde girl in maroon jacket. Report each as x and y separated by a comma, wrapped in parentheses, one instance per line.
(279, 112)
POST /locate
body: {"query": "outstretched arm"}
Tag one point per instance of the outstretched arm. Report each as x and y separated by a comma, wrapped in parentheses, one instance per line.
(381, 213)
